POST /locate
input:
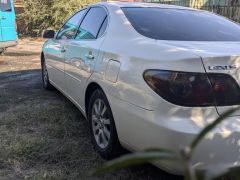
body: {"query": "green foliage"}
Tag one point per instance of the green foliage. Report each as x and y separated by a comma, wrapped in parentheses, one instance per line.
(48, 14)
(63, 9)
(183, 156)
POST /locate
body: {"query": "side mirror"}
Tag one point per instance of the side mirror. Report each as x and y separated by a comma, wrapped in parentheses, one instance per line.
(48, 34)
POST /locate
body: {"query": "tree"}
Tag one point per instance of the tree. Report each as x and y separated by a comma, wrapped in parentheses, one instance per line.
(43, 14)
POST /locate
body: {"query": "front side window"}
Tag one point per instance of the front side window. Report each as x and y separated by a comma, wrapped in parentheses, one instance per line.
(181, 25)
(103, 27)
(69, 29)
(5, 6)
(91, 24)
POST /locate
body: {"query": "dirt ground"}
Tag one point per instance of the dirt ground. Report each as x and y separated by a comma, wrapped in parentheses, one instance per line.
(42, 134)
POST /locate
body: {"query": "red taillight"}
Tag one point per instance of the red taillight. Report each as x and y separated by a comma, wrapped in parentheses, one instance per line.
(193, 89)
(226, 90)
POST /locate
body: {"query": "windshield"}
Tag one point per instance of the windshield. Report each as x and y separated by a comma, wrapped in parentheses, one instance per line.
(5, 5)
(181, 25)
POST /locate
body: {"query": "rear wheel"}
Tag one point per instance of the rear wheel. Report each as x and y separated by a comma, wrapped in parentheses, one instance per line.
(45, 78)
(103, 130)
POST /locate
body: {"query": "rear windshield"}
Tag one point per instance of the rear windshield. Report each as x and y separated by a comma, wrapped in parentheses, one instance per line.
(181, 25)
(5, 5)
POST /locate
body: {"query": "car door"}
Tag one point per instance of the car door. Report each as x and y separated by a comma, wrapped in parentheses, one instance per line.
(84, 52)
(56, 50)
(7, 21)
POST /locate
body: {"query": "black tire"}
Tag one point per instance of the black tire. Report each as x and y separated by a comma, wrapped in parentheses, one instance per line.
(113, 149)
(45, 78)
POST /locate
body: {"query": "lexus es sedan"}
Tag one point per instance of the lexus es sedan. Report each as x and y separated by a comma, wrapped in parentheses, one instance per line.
(150, 76)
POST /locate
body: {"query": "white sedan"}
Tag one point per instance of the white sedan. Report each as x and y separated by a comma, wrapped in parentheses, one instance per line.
(150, 76)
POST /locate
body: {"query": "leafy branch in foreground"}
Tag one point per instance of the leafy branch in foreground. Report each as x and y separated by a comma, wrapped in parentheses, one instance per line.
(184, 156)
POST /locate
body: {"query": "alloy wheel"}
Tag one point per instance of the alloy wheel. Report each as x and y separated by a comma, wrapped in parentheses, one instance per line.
(100, 123)
(45, 74)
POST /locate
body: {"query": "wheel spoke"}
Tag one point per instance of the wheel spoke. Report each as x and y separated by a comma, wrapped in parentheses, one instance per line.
(94, 118)
(99, 106)
(106, 121)
(106, 132)
(46, 74)
(104, 140)
(96, 109)
(104, 110)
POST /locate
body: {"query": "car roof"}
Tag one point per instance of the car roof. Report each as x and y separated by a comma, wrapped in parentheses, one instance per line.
(140, 4)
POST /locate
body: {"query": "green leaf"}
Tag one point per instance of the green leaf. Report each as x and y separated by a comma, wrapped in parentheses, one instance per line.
(137, 159)
(210, 127)
(52, 13)
(159, 150)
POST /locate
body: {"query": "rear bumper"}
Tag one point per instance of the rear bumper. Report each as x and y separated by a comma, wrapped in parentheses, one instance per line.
(6, 44)
(139, 129)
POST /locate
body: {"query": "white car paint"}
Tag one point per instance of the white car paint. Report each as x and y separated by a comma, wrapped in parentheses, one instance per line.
(143, 119)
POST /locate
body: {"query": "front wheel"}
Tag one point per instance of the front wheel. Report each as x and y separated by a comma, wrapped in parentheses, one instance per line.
(45, 78)
(103, 130)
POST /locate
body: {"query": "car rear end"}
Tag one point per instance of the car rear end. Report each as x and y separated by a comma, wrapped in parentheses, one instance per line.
(187, 74)
(8, 34)
(194, 100)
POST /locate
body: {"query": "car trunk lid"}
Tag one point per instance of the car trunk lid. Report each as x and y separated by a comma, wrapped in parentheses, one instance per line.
(217, 57)
(229, 64)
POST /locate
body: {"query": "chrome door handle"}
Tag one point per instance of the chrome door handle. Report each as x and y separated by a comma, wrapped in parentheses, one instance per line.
(90, 57)
(63, 50)
(3, 18)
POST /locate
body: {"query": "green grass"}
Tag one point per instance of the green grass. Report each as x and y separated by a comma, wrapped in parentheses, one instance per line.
(44, 136)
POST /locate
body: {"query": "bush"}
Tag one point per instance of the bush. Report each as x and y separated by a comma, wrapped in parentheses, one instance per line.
(42, 14)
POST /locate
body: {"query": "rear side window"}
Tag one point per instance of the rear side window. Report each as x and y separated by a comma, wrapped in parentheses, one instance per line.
(181, 25)
(91, 24)
(70, 28)
(5, 6)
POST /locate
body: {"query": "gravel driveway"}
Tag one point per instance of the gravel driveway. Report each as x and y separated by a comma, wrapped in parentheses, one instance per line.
(42, 134)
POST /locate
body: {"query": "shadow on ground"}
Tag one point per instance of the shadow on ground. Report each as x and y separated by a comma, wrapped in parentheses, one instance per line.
(22, 53)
